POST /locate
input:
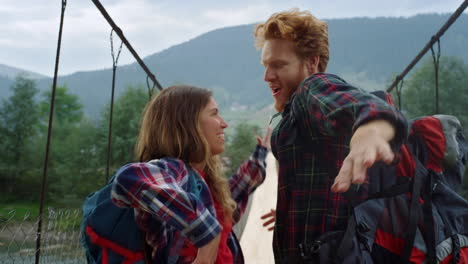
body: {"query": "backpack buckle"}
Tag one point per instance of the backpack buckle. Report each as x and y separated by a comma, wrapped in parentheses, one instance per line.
(308, 251)
(302, 250)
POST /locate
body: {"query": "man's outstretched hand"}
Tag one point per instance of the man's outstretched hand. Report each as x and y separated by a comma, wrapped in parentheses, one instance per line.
(369, 144)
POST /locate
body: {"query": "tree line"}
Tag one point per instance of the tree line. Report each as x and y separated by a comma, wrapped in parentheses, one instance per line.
(77, 159)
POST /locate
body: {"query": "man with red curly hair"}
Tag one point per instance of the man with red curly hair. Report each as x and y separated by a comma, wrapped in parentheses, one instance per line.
(329, 134)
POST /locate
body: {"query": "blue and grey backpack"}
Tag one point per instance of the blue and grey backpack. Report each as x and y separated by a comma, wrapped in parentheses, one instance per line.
(110, 233)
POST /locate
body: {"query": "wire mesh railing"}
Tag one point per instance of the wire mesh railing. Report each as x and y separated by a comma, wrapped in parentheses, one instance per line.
(60, 237)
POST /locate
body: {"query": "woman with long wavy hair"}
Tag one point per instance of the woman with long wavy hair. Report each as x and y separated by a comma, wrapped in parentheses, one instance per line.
(184, 205)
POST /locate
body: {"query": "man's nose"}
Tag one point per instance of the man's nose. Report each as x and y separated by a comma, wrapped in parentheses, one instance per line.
(269, 75)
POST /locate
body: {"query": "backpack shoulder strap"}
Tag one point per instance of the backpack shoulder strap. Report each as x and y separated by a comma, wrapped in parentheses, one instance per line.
(146, 249)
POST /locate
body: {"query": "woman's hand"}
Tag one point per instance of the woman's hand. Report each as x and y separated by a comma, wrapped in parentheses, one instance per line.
(265, 141)
(209, 252)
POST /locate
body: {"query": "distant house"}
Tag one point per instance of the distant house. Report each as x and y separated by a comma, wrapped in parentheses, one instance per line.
(238, 107)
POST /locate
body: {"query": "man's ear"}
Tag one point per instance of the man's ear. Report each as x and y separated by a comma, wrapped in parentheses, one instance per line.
(312, 64)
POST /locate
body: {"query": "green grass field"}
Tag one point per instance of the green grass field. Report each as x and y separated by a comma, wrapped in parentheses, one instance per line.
(19, 211)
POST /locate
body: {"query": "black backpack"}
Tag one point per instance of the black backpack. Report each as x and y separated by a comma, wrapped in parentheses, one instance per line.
(412, 213)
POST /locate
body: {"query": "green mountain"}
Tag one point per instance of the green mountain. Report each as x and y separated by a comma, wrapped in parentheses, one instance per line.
(8, 75)
(365, 51)
(11, 72)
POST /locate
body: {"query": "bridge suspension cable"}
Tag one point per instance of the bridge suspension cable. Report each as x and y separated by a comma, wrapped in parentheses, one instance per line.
(428, 46)
(127, 44)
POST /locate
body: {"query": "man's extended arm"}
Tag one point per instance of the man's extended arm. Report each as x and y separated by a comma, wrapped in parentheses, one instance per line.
(370, 143)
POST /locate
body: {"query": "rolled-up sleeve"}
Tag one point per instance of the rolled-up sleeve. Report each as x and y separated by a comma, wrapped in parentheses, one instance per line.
(159, 188)
(247, 178)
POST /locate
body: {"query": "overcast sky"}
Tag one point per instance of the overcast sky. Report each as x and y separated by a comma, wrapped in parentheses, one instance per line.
(29, 28)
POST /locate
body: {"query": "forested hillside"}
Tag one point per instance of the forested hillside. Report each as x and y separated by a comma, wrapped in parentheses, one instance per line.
(365, 51)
